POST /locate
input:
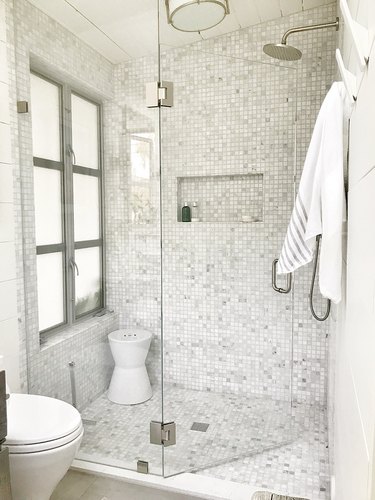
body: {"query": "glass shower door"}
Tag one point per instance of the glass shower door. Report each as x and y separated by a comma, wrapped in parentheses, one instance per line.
(227, 152)
(89, 179)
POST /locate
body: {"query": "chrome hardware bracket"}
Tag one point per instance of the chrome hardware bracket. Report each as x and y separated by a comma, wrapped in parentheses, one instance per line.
(142, 467)
(22, 107)
(162, 434)
(288, 280)
(159, 94)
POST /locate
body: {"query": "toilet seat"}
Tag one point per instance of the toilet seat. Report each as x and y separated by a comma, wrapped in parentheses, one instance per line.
(39, 423)
(45, 446)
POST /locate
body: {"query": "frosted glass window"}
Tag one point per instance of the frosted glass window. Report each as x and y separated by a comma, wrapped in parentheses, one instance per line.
(86, 207)
(88, 283)
(85, 134)
(45, 117)
(50, 290)
(67, 203)
(47, 197)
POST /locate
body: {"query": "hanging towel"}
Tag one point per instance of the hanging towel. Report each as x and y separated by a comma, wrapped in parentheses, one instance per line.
(320, 206)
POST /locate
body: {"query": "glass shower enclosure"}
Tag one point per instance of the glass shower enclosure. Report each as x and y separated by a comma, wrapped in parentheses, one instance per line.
(221, 356)
(227, 152)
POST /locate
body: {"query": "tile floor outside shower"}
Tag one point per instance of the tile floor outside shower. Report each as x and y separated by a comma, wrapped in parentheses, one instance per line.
(252, 440)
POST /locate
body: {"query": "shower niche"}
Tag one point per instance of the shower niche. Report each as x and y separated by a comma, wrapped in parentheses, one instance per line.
(222, 198)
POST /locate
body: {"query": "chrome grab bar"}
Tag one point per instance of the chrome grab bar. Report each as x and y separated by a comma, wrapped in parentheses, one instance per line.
(288, 280)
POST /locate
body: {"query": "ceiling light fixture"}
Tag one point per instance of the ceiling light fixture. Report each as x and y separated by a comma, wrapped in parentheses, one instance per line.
(196, 15)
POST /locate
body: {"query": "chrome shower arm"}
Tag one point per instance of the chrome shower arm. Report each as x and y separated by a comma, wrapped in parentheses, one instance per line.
(312, 27)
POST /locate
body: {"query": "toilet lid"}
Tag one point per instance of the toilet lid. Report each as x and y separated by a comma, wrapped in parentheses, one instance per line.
(36, 419)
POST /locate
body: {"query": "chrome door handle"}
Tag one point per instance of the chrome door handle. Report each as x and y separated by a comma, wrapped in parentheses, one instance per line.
(72, 154)
(288, 280)
(74, 266)
(75, 269)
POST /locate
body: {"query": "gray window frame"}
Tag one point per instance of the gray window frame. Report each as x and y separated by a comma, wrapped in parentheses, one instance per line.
(67, 167)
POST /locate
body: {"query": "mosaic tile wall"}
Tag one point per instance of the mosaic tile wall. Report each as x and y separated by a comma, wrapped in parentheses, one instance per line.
(133, 247)
(16, 195)
(89, 350)
(224, 327)
(37, 40)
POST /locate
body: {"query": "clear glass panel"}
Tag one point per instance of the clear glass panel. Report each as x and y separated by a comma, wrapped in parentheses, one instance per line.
(119, 433)
(115, 434)
(86, 207)
(85, 137)
(47, 199)
(88, 282)
(45, 116)
(228, 153)
(141, 150)
(50, 290)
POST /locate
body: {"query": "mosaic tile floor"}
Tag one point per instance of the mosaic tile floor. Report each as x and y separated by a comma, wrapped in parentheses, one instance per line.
(298, 468)
(280, 448)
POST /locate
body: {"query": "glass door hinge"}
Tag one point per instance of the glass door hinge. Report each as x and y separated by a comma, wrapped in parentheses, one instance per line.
(162, 434)
(142, 467)
(159, 94)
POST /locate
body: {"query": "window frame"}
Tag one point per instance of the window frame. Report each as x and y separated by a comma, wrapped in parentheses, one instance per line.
(67, 168)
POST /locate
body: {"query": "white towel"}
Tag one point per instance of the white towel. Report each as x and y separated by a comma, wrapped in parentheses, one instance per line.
(320, 206)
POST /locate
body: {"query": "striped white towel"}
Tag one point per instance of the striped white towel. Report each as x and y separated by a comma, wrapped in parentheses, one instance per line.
(320, 203)
(296, 251)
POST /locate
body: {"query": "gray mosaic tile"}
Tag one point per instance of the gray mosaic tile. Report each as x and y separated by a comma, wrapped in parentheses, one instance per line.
(231, 344)
(252, 440)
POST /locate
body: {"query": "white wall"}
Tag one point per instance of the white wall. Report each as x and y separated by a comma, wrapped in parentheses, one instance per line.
(9, 342)
(354, 397)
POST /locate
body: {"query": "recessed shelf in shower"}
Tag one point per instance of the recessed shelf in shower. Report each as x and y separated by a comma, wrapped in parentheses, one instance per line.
(223, 198)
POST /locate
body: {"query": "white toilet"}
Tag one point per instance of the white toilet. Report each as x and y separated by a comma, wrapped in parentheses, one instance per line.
(43, 437)
(130, 384)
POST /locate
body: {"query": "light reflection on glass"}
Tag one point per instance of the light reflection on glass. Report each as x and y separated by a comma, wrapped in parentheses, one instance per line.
(141, 149)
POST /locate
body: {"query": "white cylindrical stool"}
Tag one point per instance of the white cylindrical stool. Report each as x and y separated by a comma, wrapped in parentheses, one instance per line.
(130, 384)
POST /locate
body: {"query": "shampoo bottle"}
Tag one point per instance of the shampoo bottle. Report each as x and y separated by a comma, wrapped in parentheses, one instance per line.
(194, 212)
(185, 213)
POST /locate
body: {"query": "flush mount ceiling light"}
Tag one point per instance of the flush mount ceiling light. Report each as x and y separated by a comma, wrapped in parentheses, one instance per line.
(196, 15)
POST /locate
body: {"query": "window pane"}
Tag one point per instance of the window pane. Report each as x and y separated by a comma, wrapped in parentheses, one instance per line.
(88, 283)
(50, 290)
(45, 116)
(86, 207)
(47, 198)
(85, 132)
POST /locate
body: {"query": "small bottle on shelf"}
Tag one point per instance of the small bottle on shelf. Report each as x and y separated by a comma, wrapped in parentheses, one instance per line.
(194, 212)
(186, 213)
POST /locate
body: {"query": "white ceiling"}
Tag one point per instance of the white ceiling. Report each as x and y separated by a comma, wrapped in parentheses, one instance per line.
(123, 29)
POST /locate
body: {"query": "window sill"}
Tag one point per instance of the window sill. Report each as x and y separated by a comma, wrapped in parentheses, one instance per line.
(79, 328)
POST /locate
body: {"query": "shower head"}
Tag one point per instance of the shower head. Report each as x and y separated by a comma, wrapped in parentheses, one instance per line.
(286, 52)
(282, 51)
